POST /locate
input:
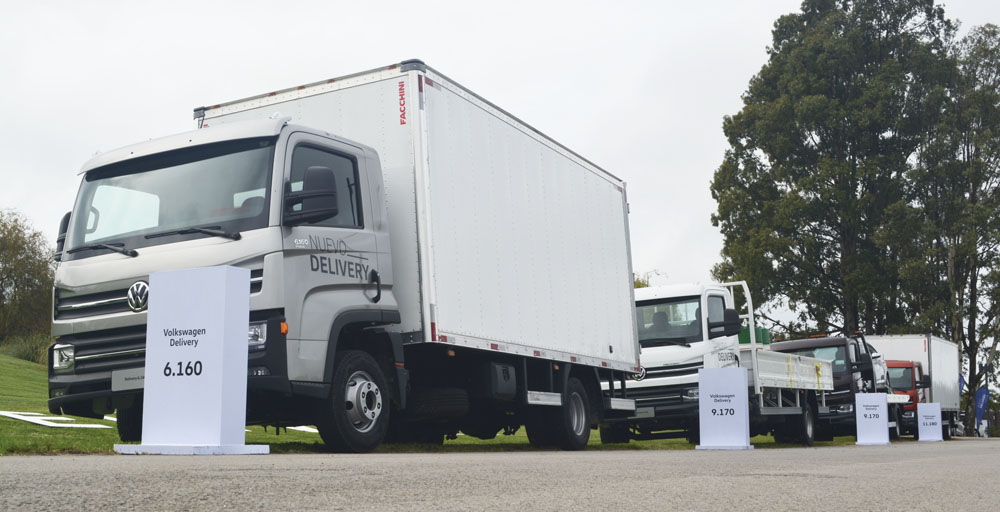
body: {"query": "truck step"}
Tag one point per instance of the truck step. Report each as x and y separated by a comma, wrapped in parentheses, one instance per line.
(619, 404)
(544, 398)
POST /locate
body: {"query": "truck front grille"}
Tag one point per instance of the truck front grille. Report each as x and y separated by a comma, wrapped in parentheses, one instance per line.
(108, 350)
(80, 306)
(116, 301)
(674, 370)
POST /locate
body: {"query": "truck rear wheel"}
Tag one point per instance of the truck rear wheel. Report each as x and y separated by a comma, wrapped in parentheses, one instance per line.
(946, 428)
(129, 422)
(807, 432)
(357, 414)
(572, 427)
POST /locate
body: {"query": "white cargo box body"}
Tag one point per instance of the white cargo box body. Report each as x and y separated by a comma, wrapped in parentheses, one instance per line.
(937, 356)
(525, 242)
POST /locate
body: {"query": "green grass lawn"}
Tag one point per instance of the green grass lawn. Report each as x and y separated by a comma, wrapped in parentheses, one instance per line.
(24, 388)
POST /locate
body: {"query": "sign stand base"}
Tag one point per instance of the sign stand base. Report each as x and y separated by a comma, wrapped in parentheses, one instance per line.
(204, 449)
(713, 447)
(872, 444)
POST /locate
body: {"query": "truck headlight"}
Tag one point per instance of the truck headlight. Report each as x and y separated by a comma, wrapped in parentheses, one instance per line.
(909, 414)
(843, 408)
(257, 336)
(691, 394)
(63, 358)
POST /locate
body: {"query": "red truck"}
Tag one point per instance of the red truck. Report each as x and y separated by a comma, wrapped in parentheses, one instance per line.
(907, 378)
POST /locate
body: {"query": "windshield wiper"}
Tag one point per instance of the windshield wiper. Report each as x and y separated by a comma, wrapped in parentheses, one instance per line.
(210, 230)
(670, 341)
(119, 248)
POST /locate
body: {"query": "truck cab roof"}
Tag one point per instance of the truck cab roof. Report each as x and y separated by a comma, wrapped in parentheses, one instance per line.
(675, 290)
(223, 132)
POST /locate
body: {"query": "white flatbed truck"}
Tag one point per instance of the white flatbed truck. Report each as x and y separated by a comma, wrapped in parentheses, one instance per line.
(677, 340)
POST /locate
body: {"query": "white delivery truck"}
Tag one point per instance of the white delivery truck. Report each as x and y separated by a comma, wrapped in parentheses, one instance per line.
(421, 261)
(684, 328)
(939, 360)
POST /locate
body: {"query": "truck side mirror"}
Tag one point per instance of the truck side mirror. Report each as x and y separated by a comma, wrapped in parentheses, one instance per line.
(730, 325)
(925, 382)
(317, 199)
(61, 238)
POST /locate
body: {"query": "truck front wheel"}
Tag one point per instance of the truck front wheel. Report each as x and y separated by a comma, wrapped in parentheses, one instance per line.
(129, 422)
(357, 415)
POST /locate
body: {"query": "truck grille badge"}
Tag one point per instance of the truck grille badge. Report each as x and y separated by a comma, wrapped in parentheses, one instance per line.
(138, 296)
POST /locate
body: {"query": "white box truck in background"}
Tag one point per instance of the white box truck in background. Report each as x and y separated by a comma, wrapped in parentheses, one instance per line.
(940, 362)
(422, 263)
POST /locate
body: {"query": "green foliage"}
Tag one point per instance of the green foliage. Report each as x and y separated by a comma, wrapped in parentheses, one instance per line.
(26, 271)
(820, 151)
(32, 347)
(861, 186)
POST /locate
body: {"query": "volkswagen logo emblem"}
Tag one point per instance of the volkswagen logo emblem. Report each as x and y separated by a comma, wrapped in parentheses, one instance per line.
(641, 374)
(138, 296)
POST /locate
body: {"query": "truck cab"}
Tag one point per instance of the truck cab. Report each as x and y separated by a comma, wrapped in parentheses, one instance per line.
(907, 378)
(853, 373)
(302, 210)
(676, 341)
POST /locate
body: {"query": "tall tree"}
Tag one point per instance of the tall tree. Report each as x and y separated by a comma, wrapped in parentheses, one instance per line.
(25, 277)
(819, 152)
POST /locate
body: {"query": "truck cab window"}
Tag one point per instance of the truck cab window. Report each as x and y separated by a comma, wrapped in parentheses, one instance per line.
(345, 171)
(716, 309)
(143, 208)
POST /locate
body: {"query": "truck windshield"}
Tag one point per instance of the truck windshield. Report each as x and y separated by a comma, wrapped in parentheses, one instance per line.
(674, 321)
(837, 355)
(222, 186)
(901, 379)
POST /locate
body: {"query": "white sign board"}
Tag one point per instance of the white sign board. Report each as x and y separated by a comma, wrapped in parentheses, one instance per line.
(871, 415)
(929, 421)
(723, 409)
(196, 363)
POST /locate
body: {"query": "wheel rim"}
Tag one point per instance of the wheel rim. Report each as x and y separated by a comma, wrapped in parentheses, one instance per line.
(363, 401)
(577, 414)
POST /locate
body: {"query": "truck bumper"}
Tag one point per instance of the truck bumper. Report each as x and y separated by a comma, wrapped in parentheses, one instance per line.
(91, 384)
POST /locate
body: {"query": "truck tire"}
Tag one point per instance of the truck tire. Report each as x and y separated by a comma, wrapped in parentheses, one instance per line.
(614, 433)
(823, 433)
(693, 434)
(539, 430)
(946, 428)
(897, 431)
(572, 425)
(356, 417)
(129, 422)
(807, 426)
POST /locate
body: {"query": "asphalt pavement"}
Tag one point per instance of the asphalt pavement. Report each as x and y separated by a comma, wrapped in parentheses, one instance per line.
(952, 475)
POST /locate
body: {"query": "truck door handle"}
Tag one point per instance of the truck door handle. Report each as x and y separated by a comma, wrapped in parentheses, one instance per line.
(373, 277)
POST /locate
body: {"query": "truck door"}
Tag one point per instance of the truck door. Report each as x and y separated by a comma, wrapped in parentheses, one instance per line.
(725, 348)
(329, 263)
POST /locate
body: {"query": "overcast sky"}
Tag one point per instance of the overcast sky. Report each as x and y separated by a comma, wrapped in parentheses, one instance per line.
(640, 88)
